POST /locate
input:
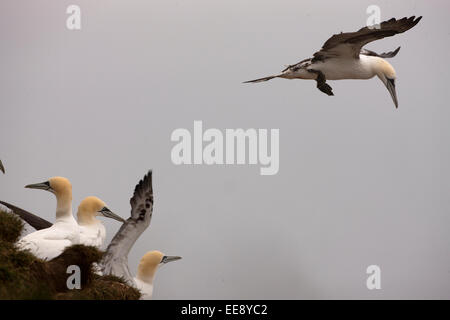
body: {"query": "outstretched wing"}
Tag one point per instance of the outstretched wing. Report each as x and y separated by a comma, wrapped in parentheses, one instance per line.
(30, 218)
(349, 44)
(142, 200)
(115, 260)
(2, 168)
(389, 54)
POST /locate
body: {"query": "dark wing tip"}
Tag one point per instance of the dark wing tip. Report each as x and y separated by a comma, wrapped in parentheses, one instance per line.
(417, 20)
(144, 186)
(400, 25)
(33, 220)
(389, 54)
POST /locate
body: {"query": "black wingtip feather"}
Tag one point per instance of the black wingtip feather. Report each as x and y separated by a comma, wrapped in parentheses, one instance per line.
(143, 185)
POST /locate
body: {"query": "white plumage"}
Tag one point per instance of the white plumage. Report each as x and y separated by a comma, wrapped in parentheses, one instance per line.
(50, 242)
(92, 230)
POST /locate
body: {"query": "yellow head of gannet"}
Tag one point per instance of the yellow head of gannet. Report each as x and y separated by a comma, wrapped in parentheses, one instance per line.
(59, 186)
(91, 207)
(62, 189)
(92, 231)
(385, 71)
(148, 265)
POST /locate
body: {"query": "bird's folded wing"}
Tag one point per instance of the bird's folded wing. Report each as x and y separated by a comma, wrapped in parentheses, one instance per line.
(88, 237)
(349, 44)
(65, 236)
(30, 218)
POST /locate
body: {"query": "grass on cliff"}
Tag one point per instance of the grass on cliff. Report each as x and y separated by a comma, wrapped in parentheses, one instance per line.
(24, 276)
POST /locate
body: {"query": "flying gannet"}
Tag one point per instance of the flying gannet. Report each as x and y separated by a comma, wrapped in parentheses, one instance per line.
(343, 57)
(115, 260)
(50, 242)
(148, 265)
(92, 231)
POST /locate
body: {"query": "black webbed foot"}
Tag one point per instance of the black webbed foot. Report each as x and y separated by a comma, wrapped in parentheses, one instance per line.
(321, 82)
(325, 88)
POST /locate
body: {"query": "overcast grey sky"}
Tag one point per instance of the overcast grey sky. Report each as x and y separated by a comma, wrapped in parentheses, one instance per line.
(360, 183)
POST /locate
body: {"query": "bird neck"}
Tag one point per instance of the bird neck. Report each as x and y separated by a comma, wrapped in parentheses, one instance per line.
(63, 206)
(381, 67)
(146, 276)
(87, 218)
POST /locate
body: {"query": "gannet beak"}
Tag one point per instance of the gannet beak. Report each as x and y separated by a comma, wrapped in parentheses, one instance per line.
(43, 186)
(109, 214)
(390, 85)
(167, 259)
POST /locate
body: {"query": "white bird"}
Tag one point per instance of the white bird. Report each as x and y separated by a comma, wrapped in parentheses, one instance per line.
(115, 259)
(149, 264)
(343, 57)
(92, 231)
(50, 242)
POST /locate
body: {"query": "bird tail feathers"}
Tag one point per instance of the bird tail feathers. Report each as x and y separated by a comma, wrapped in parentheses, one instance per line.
(263, 79)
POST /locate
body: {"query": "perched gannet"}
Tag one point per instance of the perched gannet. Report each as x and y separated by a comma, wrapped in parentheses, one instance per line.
(115, 259)
(342, 57)
(92, 231)
(2, 168)
(50, 242)
(148, 265)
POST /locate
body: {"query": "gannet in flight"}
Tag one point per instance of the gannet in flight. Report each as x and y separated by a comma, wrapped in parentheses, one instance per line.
(2, 168)
(92, 231)
(343, 57)
(148, 265)
(50, 243)
(115, 260)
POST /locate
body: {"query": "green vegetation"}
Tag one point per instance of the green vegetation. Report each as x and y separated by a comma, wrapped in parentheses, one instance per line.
(24, 276)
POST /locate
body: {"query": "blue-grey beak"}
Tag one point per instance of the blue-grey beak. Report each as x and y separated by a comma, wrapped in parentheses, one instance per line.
(167, 259)
(390, 85)
(109, 214)
(42, 185)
